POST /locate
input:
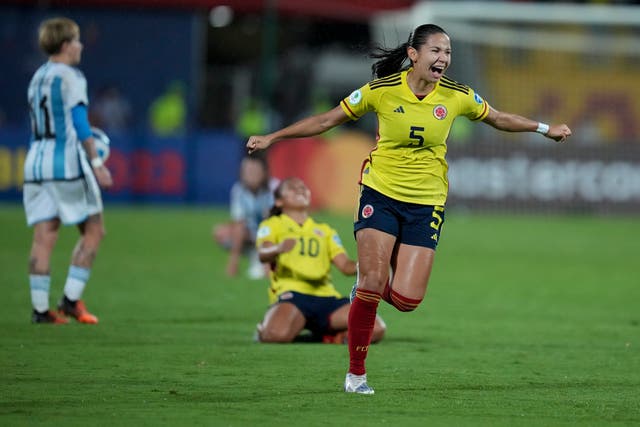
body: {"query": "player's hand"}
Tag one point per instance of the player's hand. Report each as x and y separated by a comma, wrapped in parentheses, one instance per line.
(103, 176)
(256, 143)
(287, 245)
(559, 133)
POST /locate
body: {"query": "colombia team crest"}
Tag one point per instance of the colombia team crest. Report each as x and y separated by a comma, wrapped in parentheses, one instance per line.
(439, 111)
(367, 211)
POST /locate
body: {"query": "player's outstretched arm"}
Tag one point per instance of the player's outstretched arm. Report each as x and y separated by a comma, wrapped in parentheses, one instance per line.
(510, 122)
(312, 125)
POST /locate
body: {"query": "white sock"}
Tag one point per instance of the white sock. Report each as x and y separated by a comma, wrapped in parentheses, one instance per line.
(40, 285)
(76, 281)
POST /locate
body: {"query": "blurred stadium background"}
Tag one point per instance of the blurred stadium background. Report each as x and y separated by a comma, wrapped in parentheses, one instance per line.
(179, 84)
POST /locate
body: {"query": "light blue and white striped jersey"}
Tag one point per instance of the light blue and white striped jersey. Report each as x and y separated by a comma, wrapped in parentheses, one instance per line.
(54, 152)
(250, 207)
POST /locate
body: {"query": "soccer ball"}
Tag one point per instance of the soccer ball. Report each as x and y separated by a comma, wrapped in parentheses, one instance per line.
(102, 143)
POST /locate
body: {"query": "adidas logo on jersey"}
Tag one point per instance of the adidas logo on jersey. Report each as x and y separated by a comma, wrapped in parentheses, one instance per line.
(399, 110)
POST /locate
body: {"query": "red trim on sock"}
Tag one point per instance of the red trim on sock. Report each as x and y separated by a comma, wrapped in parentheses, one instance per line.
(403, 303)
(362, 318)
(367, 295)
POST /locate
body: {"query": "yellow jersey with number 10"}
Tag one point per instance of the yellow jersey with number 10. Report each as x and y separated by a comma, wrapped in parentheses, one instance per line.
(306, 268)
(408, 163)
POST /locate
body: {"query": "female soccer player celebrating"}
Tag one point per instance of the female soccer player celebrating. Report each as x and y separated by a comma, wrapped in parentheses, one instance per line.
(404, 180)
(301, 251)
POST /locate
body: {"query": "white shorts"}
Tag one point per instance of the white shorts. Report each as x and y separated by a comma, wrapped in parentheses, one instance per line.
(71, 201)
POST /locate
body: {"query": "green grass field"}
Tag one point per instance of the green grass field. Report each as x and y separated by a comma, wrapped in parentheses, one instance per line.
(527, 321)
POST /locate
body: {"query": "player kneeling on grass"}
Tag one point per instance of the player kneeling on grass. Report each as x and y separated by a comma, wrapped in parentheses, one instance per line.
(300, 251)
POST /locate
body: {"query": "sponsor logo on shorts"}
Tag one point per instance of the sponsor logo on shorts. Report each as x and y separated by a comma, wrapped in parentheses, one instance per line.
(367, 211)
(285, 296)
(439, 111)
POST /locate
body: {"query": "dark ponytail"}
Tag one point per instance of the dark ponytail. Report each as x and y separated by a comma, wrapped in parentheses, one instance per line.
(391, 61)
(277, 195)
(275, 211)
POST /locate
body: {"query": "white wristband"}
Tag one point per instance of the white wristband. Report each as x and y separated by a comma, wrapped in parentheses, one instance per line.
(543, 128)
(96, 162)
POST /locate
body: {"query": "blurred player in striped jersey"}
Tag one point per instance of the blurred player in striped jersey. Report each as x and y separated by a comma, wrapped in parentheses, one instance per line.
(250, 201)
(404, 180)
(62, 173)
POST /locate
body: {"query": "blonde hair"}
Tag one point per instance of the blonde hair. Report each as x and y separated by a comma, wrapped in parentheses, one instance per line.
(54, 32)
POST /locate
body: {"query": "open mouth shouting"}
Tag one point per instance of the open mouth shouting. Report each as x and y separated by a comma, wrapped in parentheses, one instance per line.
(437, 70)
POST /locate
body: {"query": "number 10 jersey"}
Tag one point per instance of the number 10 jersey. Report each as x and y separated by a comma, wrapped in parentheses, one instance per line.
(306, 268)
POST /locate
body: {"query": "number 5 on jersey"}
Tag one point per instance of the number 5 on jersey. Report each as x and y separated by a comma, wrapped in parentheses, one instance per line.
(416, 136)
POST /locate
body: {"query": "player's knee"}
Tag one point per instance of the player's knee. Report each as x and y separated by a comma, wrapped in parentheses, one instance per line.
(45, 239)
(93, 228)
(220, 234)
(41, 250)
(95, 234)
(372, 281)
(271, 335)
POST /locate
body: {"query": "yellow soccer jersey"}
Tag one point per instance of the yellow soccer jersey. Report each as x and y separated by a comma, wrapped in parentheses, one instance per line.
(306, 267)
(408, 163)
